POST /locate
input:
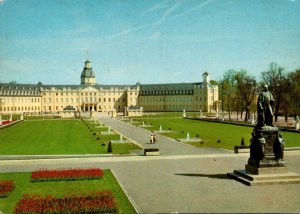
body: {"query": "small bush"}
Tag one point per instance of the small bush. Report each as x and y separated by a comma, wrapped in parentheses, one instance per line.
(103, 144)
(109, 147)
(197, 135)
(243, 142)
(182, 132)
(98, 138)
(94, 133)
(169, 128)
(218, 141)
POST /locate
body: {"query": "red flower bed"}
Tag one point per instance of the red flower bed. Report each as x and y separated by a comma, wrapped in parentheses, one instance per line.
(96, 202)
(6, 187)
(67, 174)
(4, 122)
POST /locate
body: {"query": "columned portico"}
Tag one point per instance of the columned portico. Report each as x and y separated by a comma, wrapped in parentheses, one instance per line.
(89, 106)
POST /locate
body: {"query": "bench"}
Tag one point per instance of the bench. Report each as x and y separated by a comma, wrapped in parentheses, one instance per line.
(151, 152)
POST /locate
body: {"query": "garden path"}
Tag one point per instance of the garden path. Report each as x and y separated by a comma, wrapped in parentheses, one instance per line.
(167, 146)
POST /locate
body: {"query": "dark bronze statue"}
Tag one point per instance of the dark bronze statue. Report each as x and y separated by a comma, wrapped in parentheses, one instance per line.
(267, 144)
(265, 105)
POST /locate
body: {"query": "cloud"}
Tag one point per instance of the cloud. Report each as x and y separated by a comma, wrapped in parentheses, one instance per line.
(158, 6)
(166, 16)
(200, 6)
(154, 36)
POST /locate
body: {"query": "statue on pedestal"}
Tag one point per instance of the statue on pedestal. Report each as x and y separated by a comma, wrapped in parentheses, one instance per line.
(265, 105)
(267, 144)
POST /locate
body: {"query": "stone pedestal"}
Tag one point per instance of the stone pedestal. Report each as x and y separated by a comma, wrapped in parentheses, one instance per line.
(10, 118)
(266, 164)
(297, 125)
(21, 117)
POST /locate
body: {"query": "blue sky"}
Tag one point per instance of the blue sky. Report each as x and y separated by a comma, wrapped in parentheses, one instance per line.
(150, 41)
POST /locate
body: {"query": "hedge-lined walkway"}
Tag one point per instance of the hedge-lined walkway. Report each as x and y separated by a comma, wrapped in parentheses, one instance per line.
(166, 145)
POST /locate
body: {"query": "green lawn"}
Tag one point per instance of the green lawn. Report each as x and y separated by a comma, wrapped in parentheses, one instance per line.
(169, 114)
(57, 137)
(210, 132)
(60, 188)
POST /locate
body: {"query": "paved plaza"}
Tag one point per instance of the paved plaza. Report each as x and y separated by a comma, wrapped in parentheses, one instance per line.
(182, 179)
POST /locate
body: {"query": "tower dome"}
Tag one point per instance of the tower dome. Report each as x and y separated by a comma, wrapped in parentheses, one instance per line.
(87, 75)
(205, 77)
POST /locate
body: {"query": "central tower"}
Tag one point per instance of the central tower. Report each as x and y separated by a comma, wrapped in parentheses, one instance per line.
(87, 75)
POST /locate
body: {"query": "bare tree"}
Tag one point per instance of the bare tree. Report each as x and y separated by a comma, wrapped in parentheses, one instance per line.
(246, 86)
(274, 77)
(291, 94)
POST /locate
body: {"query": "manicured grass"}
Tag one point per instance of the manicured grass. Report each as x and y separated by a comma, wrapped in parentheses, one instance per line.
(46, 137)
(170, 114)
(60, 188)
(210, 132)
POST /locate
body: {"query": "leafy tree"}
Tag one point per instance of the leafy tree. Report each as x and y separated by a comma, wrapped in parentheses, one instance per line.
(227, 91)
(213, 82)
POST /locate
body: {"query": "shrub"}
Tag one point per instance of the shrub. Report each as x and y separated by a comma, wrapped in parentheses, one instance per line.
(103, 144)
(182, 132)
(6, 186)
(197, 135)
(243, 142)
(218, 141)
(109, 147)
(98, 138)
(169, 128)
(94, 133)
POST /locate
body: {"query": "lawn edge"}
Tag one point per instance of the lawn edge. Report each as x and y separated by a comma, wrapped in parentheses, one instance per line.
(134, 205)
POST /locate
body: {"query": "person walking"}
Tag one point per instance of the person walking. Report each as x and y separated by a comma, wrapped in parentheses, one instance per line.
(154, 138)
(151, 138)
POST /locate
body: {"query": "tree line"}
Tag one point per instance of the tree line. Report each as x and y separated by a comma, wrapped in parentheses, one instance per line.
(238, 91)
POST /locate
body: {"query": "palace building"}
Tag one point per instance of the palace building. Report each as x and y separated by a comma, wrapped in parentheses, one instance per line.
(39, 98)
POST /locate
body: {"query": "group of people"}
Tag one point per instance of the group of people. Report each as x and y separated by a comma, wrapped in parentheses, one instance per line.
(152, 138)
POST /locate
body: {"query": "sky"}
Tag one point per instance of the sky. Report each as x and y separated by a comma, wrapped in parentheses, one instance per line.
(146, 41)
